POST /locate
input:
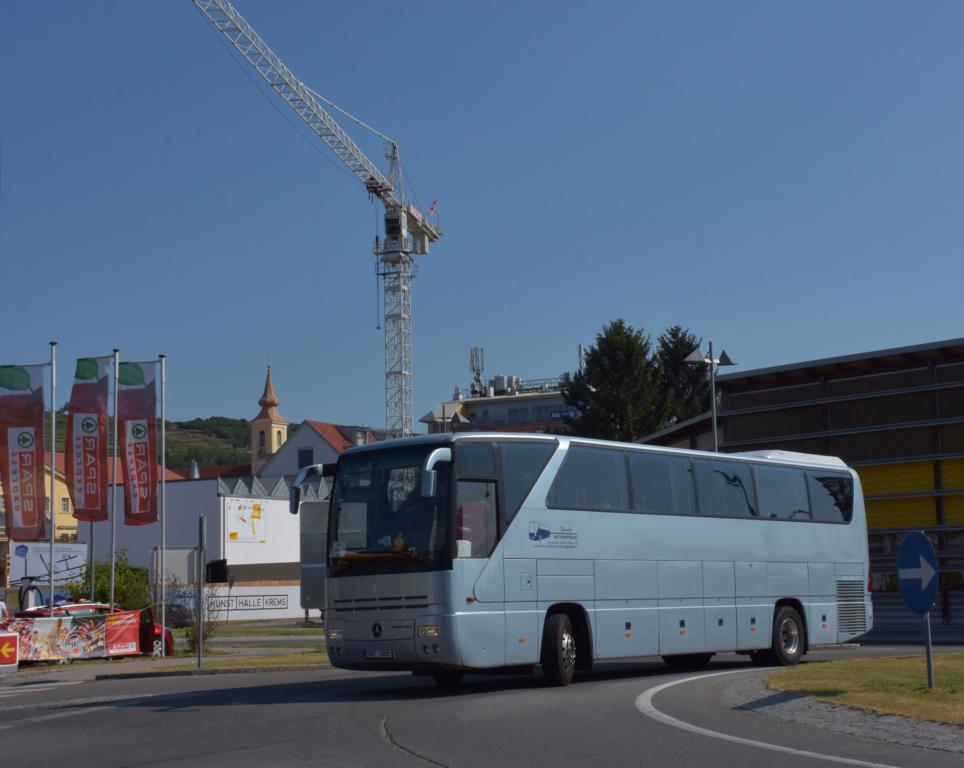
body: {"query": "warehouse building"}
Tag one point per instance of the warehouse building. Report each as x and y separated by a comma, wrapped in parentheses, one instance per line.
(894, 415)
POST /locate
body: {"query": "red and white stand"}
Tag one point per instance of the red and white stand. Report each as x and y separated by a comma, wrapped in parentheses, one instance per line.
(9, 653)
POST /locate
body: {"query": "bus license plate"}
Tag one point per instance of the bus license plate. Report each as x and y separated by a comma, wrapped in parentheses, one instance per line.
(379, 653)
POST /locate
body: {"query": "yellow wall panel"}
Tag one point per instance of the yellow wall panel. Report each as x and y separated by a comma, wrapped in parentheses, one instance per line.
(902, 513)
(952, 473)
(954, 510)
(897, 478)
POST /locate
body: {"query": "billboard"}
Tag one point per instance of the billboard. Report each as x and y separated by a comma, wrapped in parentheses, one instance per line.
(31, 559)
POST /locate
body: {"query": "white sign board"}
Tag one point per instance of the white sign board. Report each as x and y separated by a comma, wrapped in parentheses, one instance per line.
(32, 558)
(246, 521)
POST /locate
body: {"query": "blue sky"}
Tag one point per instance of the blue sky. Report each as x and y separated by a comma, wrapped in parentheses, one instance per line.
(784, 179)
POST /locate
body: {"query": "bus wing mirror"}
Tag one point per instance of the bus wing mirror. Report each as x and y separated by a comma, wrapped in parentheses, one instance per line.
(304, 475)
(429, 475)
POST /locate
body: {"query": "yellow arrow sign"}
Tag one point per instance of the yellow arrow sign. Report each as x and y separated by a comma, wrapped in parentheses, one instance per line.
(8, 651)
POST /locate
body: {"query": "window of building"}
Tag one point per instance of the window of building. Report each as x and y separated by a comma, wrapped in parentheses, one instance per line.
(831, 497)
(277, 440)
(261, 439)
(65, 504)
(591, 479)
(725, 488)
(306, 457)
(662, 485)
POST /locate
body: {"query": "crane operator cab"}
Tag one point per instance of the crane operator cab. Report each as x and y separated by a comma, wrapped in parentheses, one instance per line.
(397, 237)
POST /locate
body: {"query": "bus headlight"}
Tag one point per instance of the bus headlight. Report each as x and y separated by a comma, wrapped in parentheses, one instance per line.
(334, 634)
(430, 630)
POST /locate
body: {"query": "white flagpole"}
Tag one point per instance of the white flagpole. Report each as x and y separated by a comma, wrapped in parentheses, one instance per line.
(163, 359)
(113, 481)
(52, 531)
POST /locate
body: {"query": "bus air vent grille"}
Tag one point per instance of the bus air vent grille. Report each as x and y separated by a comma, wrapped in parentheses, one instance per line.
(851, 615)
(394, 603)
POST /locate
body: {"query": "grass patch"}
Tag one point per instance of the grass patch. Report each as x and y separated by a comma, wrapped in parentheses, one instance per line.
(889, 686)
(306, 658)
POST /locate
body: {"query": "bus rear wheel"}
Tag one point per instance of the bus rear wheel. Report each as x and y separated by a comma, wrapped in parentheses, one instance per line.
(789, 639)
(559, 650)
(688, 660)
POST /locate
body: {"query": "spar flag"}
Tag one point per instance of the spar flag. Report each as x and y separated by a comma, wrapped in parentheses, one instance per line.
(22, 450)
(86, 445)
(137, 422)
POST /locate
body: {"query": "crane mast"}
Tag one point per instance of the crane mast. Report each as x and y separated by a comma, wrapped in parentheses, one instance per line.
(407, 231)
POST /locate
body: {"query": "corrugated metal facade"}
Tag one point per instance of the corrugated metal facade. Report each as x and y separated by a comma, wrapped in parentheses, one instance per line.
(897, 417)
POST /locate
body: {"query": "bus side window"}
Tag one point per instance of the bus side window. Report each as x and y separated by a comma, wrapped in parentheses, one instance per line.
(725, 489)
(476, 520)
(591, 479)
(832, 497)
(782, 493)
(522, 463)
(662, 485)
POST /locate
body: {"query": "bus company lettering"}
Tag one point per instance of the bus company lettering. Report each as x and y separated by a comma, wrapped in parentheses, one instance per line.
(544, 538)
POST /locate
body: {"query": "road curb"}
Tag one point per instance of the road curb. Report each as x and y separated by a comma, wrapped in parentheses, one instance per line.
(223, 671)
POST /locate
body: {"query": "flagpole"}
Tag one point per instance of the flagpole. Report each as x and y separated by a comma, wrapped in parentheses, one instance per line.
(163, 359)
(51, 533)
(113, 481)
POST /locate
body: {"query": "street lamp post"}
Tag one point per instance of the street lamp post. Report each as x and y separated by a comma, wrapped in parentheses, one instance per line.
(724, 359)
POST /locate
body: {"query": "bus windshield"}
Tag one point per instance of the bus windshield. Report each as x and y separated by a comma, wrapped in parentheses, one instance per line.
(380, 523)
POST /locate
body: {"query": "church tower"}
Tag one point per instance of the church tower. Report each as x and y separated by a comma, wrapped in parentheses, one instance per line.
(269, 429)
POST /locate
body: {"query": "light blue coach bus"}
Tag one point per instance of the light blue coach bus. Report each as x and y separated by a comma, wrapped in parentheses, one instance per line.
(471, 552)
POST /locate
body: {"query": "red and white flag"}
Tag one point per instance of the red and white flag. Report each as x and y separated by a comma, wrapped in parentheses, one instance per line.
(137, 422)
(433, 208)
(22, 450)
(86, 445)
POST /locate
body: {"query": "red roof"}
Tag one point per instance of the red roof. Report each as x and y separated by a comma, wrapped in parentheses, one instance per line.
(228, 470)
(331, 434)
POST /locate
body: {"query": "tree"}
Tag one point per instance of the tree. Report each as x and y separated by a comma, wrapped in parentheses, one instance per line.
(131, 586)
(684, 387)
(616, 393)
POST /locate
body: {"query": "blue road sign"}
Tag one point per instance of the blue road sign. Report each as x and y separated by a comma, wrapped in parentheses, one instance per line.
(917, 572)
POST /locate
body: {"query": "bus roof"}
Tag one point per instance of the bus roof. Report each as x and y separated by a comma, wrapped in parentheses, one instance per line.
(445, 438)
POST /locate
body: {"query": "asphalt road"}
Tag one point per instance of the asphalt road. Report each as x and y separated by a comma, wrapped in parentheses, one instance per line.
(326, 717)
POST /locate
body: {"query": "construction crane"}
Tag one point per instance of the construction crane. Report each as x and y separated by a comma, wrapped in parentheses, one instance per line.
(408, 232)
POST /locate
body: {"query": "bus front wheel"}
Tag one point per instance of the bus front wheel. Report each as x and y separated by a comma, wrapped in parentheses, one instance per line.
(559, 650)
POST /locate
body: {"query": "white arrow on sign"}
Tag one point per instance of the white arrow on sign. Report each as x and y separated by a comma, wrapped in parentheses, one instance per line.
(925, 573)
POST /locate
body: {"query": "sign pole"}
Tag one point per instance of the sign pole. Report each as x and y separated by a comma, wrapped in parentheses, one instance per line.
(199, 622)
(52, 531)
(113, 481)
(162, 578)
(930, 651)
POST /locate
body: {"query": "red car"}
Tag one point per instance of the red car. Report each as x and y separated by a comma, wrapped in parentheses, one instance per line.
(150, 631)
